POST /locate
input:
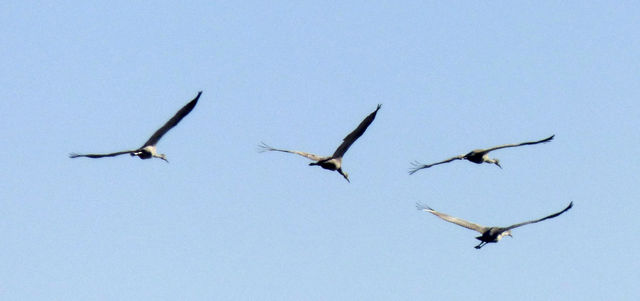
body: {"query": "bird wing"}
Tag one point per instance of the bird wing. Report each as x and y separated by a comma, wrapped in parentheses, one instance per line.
(172, 122)
(74, 155)
(353, 136)
(539, 220)
(418, 166)
(519, 144)
(451, 219)
(265, 148)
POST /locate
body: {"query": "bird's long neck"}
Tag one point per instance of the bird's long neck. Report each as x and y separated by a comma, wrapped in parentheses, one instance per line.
(503, 234)
(152, 149)
(486, 159)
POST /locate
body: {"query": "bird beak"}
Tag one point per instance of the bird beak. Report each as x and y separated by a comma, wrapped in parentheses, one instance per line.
(498, 165)
(165, 160)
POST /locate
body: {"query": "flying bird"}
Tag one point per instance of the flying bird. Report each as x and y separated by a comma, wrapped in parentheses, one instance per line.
(333, 162)
(489, 234)
(148, 149)
(477, 156)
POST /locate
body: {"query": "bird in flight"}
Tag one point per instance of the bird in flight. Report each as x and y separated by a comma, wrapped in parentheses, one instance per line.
(489, 234)
(477, 156)
(333, 162)
(148, 150)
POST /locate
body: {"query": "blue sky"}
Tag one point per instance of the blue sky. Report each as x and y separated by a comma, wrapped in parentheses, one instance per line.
(224, 222)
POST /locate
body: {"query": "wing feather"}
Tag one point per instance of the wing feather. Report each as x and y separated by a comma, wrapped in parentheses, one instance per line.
(172, 122)
(519, 144)
(451, 219)
(355, 134)
(266, 148)
(94, 156)
(539, 220)
(418, 166)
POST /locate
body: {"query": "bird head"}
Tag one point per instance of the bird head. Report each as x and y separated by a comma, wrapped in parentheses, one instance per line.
(163, 157)
(344, 174)
(497, 162)
(505, 233)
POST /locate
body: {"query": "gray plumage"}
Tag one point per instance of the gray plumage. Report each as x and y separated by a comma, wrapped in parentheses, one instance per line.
(333, 162)
(477, 156)
(148, 149)
(489, 234)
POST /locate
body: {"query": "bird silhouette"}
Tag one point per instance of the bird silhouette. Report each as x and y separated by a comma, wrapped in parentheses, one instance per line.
(489, 234)
(148, 149)
(477, 156)
(333, 162)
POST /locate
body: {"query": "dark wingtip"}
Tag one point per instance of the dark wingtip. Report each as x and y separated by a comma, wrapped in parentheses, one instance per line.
(263, 147)
(379, 106)
(197, 97)
(416, 166)
(421, 207)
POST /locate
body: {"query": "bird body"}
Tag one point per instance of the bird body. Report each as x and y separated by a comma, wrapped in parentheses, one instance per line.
(333, 162)
(488, 234)
(148, 152)
(330, 163)
(148, 149)
(480, 156)
(493, 234)
(477, 156)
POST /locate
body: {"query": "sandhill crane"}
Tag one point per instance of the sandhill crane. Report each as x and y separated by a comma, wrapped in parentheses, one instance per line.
(148, 150)
(477, 156)
(489, 234)
(333, 162)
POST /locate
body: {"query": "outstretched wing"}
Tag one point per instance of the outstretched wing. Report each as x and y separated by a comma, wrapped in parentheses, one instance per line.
(418, 166)
(263, 147)
(519, 144)
(353, 136)
(539, 220)
(172, 122)
(451, 219)
(74, 155)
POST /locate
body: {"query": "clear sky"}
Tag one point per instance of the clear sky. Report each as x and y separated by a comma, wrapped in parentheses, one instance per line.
(224, 222)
